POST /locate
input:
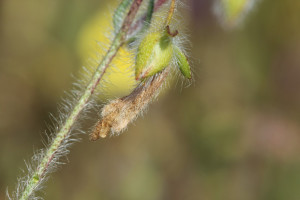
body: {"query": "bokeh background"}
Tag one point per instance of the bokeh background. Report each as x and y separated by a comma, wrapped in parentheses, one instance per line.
(234, 134)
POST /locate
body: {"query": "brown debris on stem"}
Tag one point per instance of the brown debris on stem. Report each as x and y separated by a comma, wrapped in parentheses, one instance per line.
(120, 112)
(170, 33)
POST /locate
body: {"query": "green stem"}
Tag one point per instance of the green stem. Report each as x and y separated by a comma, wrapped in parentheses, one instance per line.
(171, 11)
(41, 171)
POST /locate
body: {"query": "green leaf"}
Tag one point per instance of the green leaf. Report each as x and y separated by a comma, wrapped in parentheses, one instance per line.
(182, 63)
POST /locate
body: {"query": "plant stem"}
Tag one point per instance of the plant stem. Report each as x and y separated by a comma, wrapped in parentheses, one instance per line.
(41, 170)
(171, 11)
(39, 174)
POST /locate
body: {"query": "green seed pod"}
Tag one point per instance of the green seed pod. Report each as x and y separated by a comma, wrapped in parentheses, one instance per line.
(154, 54)
(182, 63)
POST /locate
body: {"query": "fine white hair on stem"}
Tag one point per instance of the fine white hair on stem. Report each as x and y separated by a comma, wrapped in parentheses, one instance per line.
(67, 105)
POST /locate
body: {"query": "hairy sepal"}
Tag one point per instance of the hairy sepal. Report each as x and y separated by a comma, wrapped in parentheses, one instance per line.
(182, 63)
(154, 54)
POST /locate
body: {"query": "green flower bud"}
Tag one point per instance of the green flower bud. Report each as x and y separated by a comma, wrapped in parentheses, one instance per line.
(154, 54)
(182, 63)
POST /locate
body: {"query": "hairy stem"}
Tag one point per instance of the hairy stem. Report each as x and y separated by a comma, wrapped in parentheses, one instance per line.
(171, 11)
(41, 170)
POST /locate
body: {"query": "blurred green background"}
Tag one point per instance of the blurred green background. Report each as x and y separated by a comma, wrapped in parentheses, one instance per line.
(234, 134)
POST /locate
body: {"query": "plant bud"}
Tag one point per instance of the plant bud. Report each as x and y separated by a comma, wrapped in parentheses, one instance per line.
(154, 54)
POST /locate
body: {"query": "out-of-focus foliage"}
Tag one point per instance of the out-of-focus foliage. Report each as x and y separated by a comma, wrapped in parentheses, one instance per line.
(234, 134)
(231, 13)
